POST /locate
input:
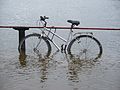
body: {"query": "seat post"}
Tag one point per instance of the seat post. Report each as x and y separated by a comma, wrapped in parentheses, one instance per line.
(72, 27)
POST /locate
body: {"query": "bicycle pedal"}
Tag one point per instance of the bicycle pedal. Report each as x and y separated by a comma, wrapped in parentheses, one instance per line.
(63, 48)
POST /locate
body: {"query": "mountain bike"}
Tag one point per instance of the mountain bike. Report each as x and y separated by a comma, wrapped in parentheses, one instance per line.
(82, 45)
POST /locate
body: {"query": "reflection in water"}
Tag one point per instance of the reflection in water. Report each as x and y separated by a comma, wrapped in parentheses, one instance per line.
(73, 70)
(43, 69)
(22, 60)
(74, 66)
(42, 64)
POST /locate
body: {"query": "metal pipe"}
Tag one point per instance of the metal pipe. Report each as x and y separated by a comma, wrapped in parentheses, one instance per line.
(63, 27)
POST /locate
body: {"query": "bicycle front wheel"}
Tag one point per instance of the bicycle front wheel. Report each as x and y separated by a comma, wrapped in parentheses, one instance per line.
(36, 46)
(85, 47)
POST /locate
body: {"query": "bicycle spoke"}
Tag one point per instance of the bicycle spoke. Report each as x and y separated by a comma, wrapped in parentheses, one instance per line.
(85, 47)
(36, 46)
(39, 41)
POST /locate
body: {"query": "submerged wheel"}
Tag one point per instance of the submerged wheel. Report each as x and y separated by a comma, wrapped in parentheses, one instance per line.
(36, 46)
(85, 47)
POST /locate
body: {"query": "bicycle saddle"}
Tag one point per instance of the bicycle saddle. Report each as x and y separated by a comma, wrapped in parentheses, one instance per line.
(73, 22)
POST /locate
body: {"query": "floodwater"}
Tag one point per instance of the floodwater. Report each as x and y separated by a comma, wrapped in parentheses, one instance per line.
(59, 72)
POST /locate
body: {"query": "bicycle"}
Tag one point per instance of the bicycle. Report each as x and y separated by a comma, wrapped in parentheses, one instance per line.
(79, 45)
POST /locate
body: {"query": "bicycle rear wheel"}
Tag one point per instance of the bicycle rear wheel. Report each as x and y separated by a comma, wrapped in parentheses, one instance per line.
(36, 46)
(85, 47)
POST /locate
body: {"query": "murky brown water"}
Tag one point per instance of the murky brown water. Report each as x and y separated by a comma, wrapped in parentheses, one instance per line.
(59, 71)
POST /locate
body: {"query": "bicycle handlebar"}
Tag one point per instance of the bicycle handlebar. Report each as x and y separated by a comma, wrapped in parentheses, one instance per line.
(43, 18)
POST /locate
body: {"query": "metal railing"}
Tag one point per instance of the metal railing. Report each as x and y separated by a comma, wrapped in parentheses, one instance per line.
(22, 29)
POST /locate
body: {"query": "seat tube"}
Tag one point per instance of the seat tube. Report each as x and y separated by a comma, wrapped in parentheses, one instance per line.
(70, 35)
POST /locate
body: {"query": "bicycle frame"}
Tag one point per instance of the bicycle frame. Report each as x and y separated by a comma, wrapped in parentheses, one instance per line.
(78, 45)
(44, 23)
(58, 36)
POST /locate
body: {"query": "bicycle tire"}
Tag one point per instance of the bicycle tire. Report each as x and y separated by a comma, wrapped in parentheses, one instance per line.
(80, 53)
(37, 38)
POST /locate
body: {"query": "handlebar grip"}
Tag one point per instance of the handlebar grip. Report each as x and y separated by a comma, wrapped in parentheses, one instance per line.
(43, 18)
(46, 17)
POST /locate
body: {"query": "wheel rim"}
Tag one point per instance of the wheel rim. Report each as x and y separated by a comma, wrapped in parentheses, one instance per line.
(85, 47)
(36, 46)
